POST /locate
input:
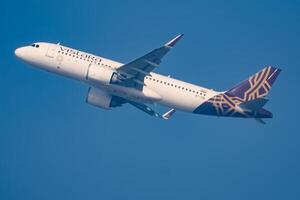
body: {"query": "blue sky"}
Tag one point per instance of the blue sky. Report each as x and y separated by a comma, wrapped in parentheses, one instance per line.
(55, 146)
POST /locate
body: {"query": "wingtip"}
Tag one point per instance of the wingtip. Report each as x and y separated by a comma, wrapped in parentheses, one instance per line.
(174, 41)
(168, 114)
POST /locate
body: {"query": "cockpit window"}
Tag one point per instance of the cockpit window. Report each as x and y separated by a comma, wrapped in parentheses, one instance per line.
(35, 45)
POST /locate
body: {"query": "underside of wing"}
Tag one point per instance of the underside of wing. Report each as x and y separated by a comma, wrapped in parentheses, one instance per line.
(151, 112)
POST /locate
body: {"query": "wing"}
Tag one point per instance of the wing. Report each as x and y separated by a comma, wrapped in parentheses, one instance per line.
(135, 71)
(152, 112)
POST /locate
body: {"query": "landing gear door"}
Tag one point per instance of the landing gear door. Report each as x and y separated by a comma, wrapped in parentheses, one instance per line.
(51, 51)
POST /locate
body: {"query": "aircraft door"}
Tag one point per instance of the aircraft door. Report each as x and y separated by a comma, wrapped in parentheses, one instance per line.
(51, 51)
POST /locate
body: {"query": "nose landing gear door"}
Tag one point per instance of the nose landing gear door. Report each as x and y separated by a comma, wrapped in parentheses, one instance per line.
(51, 51)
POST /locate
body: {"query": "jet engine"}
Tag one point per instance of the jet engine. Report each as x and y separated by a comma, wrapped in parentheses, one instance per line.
(102, 99)
(101, 75)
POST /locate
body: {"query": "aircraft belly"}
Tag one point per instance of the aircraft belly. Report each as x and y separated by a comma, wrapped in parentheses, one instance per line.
(178, 100)
(131, 94)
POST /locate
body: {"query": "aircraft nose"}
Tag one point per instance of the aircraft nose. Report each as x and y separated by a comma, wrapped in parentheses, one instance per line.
(20, 52)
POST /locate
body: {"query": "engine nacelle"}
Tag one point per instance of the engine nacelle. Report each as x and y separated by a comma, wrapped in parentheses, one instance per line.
(102, 99)
(101, 75)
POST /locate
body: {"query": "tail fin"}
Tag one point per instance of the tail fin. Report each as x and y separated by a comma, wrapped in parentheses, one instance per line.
(257, 86)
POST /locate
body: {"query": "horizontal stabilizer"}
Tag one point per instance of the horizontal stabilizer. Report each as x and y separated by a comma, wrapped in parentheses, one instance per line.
(254, 104)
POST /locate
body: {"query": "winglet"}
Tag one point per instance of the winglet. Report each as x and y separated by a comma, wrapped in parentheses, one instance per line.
(174, 41)
(168, 114)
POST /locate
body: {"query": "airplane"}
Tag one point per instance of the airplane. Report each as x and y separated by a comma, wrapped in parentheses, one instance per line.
(112, 84)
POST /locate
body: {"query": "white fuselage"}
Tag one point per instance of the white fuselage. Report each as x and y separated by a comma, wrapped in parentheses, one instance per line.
(76, 64)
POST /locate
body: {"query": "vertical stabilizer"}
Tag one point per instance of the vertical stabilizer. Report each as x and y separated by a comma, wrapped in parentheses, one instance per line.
(256, 86)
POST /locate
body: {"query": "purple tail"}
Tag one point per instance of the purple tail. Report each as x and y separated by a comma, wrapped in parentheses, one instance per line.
(257, 86)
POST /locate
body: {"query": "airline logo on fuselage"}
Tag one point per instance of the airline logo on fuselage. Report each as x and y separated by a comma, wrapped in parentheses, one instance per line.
(83, 55)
